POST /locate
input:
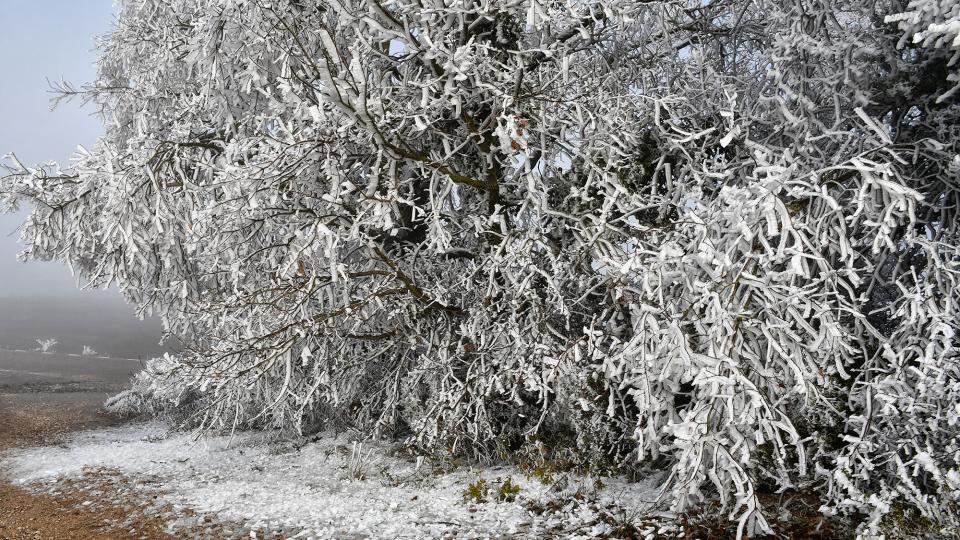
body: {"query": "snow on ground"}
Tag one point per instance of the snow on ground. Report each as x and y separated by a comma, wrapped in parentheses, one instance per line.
(329, 488)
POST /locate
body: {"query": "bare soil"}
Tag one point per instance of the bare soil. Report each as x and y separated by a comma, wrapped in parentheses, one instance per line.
(33, 418)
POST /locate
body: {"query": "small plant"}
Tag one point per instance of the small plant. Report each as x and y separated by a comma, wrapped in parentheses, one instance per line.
(548, 471)
(508, 490)
(360, 461)
(598, 484)
(542, 473)
(477, 491)
(445, 462)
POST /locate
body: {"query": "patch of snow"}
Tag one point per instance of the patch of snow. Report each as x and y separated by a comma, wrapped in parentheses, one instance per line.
(313, 489)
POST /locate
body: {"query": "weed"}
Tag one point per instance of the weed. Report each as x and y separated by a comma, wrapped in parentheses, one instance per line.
(476, 491)
(508, 490)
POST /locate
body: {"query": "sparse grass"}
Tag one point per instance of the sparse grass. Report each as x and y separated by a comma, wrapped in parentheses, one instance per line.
(904, 523)
(360, 461)
(793, 516)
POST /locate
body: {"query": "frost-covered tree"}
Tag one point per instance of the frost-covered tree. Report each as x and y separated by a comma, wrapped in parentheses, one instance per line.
(719, 236)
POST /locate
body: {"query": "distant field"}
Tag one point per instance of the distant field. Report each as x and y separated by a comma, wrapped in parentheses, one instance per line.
(106, 325)
(33, 368)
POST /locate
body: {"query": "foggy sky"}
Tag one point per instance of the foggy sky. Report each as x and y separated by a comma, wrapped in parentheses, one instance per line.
(41, 40)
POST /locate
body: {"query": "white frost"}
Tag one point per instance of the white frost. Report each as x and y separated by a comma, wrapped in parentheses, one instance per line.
(311, 490)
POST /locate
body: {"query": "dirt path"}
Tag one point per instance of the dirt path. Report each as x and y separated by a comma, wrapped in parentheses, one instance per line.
(29, 418)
